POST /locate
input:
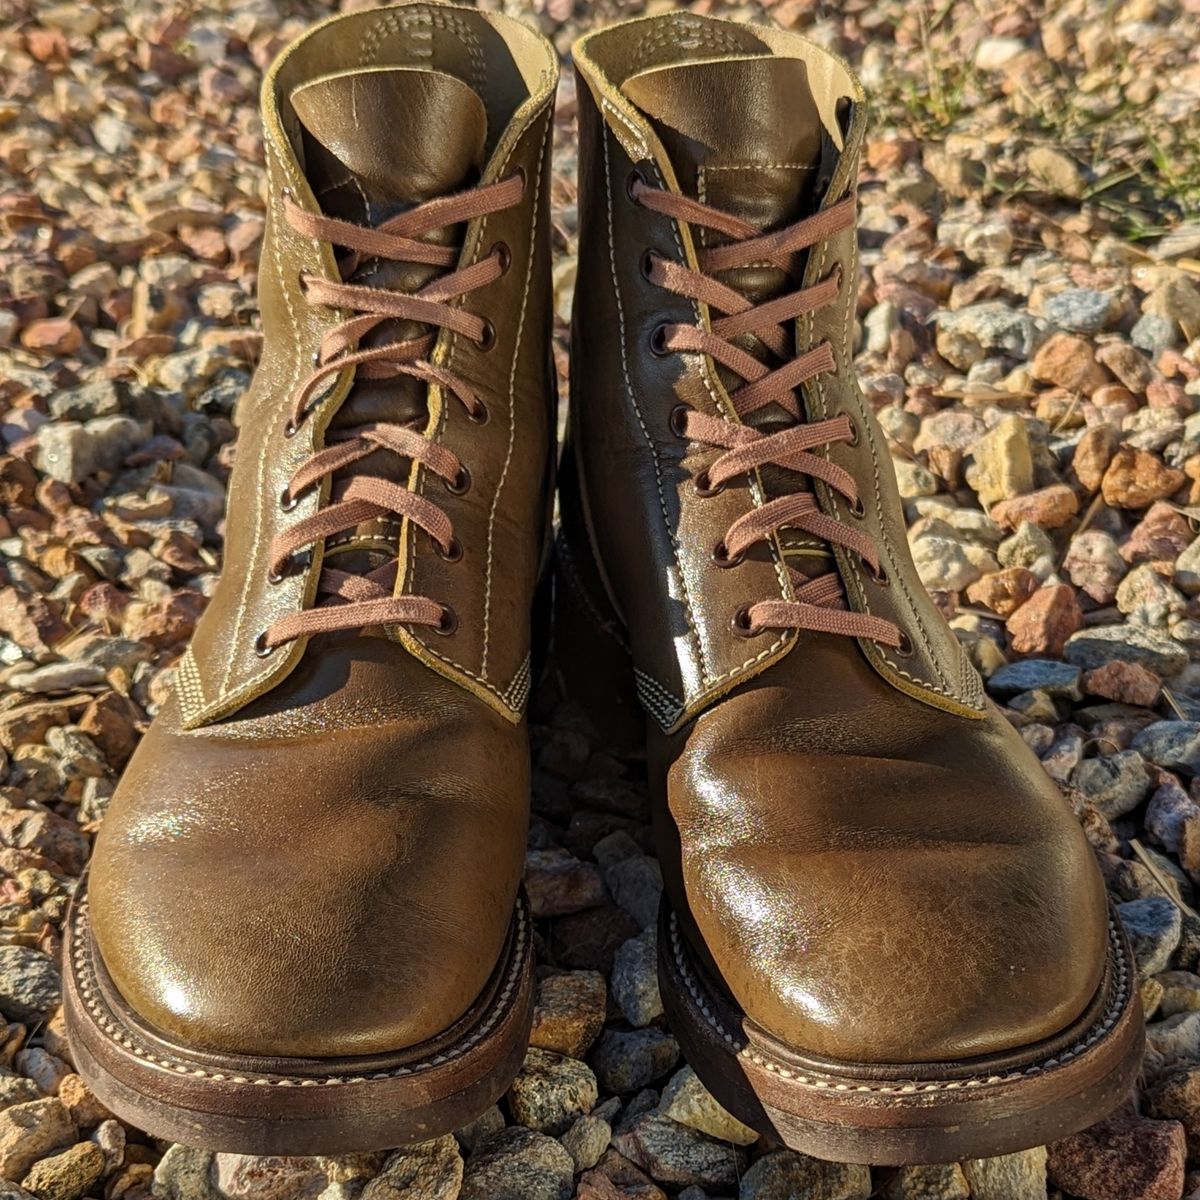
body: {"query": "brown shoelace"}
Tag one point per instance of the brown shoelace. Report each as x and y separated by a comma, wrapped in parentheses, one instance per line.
(819, 603)
(355, 601)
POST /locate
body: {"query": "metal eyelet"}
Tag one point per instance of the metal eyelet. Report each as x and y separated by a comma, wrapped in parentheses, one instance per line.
(451, 553)
(287, 502)
(905, 649)
(704, 488)
(292, 427)
(857, 508)
(741, 625)
(658, 340)
(274, 577)
(501, 252)
(852, 440)
(722, 558)
(480, 415)
(634, 178)
(260, 646)
(649, 257)
(448, 623)
(460, 484)
(880, 577)
(678, 420)
(487, 339)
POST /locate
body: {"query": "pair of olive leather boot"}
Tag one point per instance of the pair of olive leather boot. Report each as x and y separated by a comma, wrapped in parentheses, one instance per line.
(883, 936)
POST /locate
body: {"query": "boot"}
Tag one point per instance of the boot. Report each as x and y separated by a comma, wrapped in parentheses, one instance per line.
(302, 929)
(884, 937)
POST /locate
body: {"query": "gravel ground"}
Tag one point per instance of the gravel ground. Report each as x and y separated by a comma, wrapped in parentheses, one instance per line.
(1030, 335)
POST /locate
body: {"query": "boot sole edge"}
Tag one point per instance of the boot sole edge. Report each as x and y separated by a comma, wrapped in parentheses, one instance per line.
(906, 1115)
(283, 1106)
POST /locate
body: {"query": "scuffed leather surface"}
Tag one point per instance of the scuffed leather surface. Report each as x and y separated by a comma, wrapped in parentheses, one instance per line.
(331, 872)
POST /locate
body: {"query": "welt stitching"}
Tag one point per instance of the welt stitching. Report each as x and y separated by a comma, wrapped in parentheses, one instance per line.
(629, 391)
(512, 411)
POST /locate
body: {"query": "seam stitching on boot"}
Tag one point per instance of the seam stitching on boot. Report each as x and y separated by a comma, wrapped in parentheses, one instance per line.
(664, 707)
(243, 603)
(945, 689)
(629, 391)
(450, 662)
(512, 411)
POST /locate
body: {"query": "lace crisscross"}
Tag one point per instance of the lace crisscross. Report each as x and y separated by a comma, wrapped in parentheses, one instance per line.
(346, 600)
(819, 604)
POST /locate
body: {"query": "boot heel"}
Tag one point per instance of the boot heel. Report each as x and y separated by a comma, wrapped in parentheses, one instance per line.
(589, 658)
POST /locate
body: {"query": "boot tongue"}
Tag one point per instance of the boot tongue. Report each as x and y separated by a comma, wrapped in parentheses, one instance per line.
(743, 133)
(380, 140)
(376, 142)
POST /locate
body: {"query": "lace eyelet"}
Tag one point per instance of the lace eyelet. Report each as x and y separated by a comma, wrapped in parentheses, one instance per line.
(678, 420)
(286, 501)
(460, 484)
(274, 577)
(487, 339)
(302, 280)
(741, 625)
(722, 558)
(852, 440)
(704, 488)
(260, 646)
(520, 174)
(880, 577)
(447, 624)
(905, 649)
(648, 259)
(501, 252)
(292, 427)
(658, 340)
(634, 179)
(857, 508)
(451, 553)
(480, 415)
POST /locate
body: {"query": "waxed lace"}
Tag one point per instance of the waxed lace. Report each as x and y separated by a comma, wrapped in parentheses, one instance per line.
(346, 600)
(819, 604)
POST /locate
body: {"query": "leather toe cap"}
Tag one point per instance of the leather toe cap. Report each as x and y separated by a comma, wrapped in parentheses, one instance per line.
(933, 903)
(258, 890)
